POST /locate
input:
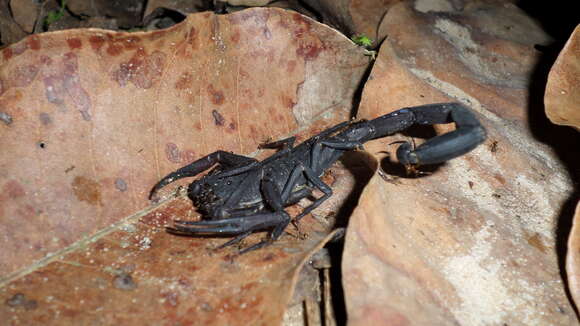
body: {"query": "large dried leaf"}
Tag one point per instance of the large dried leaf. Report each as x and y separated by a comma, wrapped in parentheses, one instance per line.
(474, 243)
(91, 119)
(573, 257)
(562, 97)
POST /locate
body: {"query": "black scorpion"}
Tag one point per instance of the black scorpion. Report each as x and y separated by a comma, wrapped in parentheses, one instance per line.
(242, 195)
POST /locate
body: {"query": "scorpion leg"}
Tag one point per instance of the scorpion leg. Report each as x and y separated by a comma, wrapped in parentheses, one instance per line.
(231, 226)
(286, 142)
(243, 163)
(288, 196)
(316, 181)
(235, 240)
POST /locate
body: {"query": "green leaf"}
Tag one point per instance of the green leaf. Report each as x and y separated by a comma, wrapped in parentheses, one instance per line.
(362, 40)
(54, 15)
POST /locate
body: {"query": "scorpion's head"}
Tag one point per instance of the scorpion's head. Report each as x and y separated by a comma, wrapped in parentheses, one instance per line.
(203, 197)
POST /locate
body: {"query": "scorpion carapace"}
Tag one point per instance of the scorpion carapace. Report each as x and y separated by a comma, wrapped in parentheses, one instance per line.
(241, 195)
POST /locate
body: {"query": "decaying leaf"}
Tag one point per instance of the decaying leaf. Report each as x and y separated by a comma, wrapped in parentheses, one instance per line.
(113, 112)
(562, 97)
(473, 243)
(573, 257)
(91, 119)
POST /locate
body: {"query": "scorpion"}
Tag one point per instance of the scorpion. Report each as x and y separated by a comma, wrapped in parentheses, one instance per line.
(242, 195)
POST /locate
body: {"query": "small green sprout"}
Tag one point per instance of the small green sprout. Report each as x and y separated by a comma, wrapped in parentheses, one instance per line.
(362, 40)
(365, 42)
(54, 15)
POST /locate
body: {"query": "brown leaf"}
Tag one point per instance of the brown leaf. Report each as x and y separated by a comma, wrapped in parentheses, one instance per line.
(472, 243)
(573, 257)
(114, 112)
(91, 119)
(562, 98)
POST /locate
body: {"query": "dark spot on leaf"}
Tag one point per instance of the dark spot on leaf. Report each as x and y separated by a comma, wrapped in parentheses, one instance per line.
(33, 43)
(308, 51)
(121, 185)
(124, 281)
(45, 118)
(20, 300)
(6, 118)
(301, 20)
(114, 49)
(184, 81)
(87, 190)
(142, 70)
(172, 153)
(96, 42)
(74, 43)
(216, 96)
(301, 26)
(13, 189)
(66, 82)
(24, 75)
(7, 53)
(218, 119)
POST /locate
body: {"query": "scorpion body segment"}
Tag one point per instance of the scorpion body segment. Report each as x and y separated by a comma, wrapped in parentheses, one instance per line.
(241, 195)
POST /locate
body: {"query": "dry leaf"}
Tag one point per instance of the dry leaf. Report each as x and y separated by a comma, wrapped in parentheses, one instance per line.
(573, 257)
(474, 242)
(91, 119)
(562, 97)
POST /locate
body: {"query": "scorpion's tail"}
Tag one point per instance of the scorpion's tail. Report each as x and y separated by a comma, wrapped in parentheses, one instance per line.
(469, 132)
